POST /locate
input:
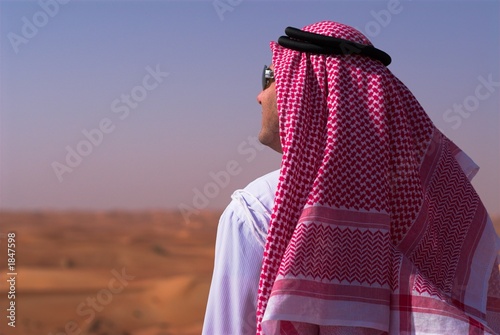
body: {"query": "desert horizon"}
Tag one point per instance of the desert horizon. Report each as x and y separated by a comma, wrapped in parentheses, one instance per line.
(108, 272)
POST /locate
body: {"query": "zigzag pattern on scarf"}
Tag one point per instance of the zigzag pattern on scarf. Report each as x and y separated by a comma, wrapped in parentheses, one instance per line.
(452, 207)
(344, 261)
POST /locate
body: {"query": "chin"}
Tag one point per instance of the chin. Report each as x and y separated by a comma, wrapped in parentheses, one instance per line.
(276, 146)
(263, 139)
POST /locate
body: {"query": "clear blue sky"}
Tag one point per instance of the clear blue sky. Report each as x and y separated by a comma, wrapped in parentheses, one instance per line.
(185, 138)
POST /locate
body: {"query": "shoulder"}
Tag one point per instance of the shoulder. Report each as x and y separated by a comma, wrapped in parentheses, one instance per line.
(263, 188)
(250, 208)
(258, 195)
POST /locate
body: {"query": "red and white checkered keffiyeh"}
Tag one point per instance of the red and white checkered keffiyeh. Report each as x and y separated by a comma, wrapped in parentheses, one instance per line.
(376, 228)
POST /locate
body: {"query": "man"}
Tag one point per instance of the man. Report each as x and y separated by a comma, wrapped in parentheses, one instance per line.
(370, 226)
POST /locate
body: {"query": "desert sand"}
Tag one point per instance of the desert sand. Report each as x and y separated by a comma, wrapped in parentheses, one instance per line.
(108, 273)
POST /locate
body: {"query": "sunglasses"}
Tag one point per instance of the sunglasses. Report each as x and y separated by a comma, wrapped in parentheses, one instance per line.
(267, 77)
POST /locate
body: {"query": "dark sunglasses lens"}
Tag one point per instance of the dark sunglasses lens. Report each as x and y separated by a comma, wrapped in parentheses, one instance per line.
(264, 80)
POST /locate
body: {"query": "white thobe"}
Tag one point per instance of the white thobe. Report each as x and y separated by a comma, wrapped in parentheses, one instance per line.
(239, 248)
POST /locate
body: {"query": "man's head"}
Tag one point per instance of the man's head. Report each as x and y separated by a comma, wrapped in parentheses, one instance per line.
(292, 78)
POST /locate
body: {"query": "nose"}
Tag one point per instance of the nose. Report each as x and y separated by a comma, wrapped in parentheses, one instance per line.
(259, 97)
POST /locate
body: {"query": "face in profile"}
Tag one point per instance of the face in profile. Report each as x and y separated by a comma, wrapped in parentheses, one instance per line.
(270, 133)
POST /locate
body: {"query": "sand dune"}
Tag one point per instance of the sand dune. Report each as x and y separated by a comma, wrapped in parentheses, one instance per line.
(109, 273)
